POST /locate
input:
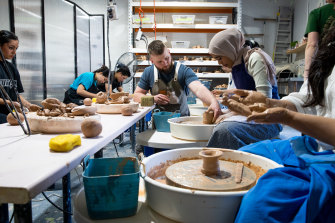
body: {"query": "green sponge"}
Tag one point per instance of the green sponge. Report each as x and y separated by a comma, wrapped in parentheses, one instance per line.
(147, 101)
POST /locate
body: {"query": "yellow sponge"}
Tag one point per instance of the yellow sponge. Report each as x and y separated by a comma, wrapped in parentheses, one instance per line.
(64, 143)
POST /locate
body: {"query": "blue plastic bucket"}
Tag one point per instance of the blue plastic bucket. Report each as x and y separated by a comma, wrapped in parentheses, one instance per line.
(160, 120)
(111, 187)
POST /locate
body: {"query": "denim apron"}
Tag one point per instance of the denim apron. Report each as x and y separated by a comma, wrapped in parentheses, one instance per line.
(178, 99)
(243, 80)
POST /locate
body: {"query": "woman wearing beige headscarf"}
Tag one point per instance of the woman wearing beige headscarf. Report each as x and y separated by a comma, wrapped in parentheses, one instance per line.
(252, 69)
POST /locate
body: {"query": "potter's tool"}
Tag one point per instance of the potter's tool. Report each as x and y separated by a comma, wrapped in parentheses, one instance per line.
(210, 174)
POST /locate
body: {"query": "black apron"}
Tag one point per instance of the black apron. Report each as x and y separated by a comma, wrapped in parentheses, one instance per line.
(243, 80)
(71, 95)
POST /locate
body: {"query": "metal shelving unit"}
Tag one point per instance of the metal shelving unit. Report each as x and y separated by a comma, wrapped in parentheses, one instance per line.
(235, 9)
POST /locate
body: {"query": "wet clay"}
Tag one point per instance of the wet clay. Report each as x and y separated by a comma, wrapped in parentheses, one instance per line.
(210, 162)
(207, 117)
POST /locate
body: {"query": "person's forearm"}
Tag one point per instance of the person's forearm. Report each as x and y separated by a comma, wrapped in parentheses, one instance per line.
(318, 127)
(25, 102)
(86, 94)
(138, 96)
(311, 48)
(204, 94)
(309, 53)
(272, 103)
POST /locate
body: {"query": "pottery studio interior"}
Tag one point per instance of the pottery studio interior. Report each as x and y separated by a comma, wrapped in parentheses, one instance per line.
(166, 111)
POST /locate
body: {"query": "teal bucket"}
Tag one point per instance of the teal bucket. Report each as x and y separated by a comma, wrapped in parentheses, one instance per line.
(111, 187)
(161, 120)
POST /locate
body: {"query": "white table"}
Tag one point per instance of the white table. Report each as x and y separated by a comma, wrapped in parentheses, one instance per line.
(155, 139)
(28, 167)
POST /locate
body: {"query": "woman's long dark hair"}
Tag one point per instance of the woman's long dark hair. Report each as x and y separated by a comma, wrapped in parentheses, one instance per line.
(103, 69)
(6, 37)
(320, 69)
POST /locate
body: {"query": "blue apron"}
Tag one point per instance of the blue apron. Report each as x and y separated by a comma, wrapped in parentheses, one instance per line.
(243, 80)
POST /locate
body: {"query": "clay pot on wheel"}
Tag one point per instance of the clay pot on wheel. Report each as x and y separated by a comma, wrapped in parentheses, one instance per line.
(210, 159)
(208, 117)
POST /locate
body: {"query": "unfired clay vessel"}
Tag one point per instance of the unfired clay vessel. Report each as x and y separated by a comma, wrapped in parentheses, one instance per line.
(210, 159)
(208, 117)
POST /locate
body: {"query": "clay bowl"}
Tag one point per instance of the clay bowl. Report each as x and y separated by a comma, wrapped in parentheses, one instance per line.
(57, 125)
(194, 132)
(115, 108)
(189, 205)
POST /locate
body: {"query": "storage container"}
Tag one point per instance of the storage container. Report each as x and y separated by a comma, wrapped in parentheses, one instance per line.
(218, 19)
(111, 187)
(183, 19)
(161, 120)
(180, 44)
(147, 19)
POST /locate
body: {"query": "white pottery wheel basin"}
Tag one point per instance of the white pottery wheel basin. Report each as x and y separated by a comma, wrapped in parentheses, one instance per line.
(44, 124)
(115, 108)
(194, 132)
(186, 205)
(197, 110)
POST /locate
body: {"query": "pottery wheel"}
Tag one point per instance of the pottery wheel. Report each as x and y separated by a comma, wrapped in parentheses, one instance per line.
(187, 174)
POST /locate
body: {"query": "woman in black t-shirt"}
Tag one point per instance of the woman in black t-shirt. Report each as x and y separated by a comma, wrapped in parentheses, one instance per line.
(9, 43)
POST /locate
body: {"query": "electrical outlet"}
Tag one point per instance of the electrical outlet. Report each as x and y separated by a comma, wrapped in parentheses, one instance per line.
(112, 12)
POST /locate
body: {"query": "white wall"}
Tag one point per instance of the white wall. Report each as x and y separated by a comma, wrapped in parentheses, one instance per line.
(301, 11)
(118, 29)
(4, 16)
(262, 9)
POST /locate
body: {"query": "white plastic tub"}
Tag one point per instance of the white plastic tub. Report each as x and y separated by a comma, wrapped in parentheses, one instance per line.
(148, 19)
(194, 132)
(218, 19)
(183, 19)
(180, 44)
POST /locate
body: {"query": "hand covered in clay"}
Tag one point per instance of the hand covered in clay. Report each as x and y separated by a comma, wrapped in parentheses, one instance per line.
(271, 115)
(217, 92)
(221, 118)
(161, 99)
(239, 108)
(34, 108)
(249, 97)
(215, 107)
(16, 105)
